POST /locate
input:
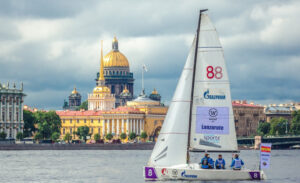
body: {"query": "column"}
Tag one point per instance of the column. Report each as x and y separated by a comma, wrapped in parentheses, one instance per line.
(0, 109)
(118, 127)
(122, 127)
(103, 127)
(108, 126)
(140, 123)
(113, 126)
(127, 126)
(131, 125)
(134, 126)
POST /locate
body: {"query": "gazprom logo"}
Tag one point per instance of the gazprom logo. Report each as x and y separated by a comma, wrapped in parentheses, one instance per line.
(183, 174)
(206, 95)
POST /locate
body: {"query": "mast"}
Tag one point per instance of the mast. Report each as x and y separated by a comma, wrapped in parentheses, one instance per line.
(193, 80)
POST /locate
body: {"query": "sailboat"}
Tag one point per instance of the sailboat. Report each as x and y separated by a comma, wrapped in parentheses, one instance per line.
(200, 116)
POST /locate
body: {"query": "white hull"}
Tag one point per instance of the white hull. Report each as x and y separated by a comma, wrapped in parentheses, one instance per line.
(194, 172)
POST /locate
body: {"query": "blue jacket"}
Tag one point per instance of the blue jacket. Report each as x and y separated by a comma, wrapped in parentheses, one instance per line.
(205, 162)
(237, 163)
(219, 163)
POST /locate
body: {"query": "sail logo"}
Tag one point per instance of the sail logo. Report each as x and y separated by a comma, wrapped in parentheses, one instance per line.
(212, 138)
(206, 95)
(164, 171)
(213, 112)
(183, 174)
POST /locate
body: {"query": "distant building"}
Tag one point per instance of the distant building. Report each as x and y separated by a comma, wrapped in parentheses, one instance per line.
(11, 110)
(74, 101)
(117, 73)
(247, 117)
(155, 95)
(280, 111)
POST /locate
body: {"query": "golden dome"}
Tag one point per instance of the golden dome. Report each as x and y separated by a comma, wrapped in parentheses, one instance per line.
(125, 90)
(74, 91)
(154, 92)
(101, 89)
(115, 58)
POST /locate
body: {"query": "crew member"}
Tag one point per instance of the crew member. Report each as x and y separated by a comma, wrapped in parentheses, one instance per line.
(207, 162)
(237, 163)
(220, 162)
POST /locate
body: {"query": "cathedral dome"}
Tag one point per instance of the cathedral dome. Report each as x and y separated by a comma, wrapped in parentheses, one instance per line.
(101, 90)
(115, 58)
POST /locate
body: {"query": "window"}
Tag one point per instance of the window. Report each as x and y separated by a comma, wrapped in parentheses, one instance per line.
(10, 116)
(112, 89)
(3, 101)
(70, 130)
(98, 120)
(64, 130)
(155, 122)
(10, 100)
(77, 120)
(71, 121)
(92, 121)
(99, 130)
(3, 116)
(84, 120)
(17, 116)
(64, 121)
(92, 130)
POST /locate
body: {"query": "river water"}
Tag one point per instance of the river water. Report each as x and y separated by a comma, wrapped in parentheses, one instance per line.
(118, 166)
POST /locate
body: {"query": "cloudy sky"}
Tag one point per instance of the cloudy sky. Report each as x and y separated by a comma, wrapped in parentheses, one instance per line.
(53, 46)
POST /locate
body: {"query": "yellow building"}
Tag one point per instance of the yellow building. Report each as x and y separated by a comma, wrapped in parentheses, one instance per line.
(141, 114)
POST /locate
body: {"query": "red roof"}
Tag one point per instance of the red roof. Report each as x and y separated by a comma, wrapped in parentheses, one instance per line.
(243, 103)
(79, 113)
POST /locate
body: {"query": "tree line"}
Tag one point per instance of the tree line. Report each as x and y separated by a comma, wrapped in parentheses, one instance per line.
(280, 126)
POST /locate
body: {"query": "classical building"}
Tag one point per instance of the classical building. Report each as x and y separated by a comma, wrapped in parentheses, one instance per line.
(101, 98)
(141, 114)
(117, 73)
(247, 117)
(11, 110)
(280, 111)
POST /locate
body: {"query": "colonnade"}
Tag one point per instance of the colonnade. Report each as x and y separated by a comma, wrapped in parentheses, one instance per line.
(118, 126)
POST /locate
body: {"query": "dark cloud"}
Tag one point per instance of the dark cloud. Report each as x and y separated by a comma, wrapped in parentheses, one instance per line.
(53, 46)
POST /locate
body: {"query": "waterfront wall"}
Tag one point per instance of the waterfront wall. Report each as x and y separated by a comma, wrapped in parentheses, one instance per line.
(134, 146)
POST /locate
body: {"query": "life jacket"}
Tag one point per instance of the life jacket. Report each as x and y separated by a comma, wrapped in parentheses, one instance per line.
(220, 162)
(237, 164)
(205, 161)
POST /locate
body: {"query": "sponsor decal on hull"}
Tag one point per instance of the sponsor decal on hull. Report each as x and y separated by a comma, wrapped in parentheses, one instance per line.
(255, 175)
(183, 174)
(150, 173)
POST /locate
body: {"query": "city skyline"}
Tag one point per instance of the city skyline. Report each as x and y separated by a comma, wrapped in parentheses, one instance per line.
(54, 47)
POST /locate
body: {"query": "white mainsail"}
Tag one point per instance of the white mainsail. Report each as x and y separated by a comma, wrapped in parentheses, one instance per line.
(171, 146)
(212, 125)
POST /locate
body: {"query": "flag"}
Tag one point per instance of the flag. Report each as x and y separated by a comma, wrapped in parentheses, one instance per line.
(145, 68)
(265, 155)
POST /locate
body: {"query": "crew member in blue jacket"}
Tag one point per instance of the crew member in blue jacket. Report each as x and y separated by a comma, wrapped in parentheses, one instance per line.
(220, 162)
(207, 162)
(237, 163)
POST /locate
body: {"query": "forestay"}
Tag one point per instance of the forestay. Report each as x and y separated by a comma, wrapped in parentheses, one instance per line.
(171, 146)
(212, 125)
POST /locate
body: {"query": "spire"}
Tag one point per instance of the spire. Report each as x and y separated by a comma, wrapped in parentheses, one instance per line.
(101, 75)
(115, 45)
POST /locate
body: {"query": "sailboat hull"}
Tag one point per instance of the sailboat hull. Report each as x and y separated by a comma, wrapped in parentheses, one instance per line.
(194, 172)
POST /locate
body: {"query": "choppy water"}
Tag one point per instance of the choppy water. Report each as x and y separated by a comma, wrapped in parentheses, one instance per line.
(117, 166)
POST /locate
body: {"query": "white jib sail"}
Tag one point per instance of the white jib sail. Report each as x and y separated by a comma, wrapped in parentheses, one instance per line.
(212, 126)
(171, 146)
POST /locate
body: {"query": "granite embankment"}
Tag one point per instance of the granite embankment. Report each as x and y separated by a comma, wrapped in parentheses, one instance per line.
(134, 146)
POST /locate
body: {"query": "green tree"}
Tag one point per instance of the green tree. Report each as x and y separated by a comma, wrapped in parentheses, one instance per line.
(278, 126)
(2, 135)
(123, 136)
(97, 137)
(295, 124)
(38, 136)
(144, 135)
(48, 123)
(132, 136)
(83, 132)
(84, 105)
(55, 136)
(19, 136)
(109, 136)
(29, 123)
(263, 128)
(68, 137)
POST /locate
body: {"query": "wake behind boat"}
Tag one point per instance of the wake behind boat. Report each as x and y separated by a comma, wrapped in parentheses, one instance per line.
(200, 117)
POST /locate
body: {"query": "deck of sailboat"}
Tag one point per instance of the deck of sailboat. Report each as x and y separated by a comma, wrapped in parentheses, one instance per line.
(195, 172)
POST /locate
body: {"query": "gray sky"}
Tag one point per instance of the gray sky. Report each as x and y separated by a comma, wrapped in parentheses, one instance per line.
(53, 46)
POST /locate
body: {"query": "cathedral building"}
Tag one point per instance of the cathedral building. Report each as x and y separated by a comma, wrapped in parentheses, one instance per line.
(74, 101)
(117, 73)
(11, 110)
(101, 98)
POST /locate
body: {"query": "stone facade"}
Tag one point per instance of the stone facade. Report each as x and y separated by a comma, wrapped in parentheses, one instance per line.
(280, 111)
(11, 110)
(247, 117)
